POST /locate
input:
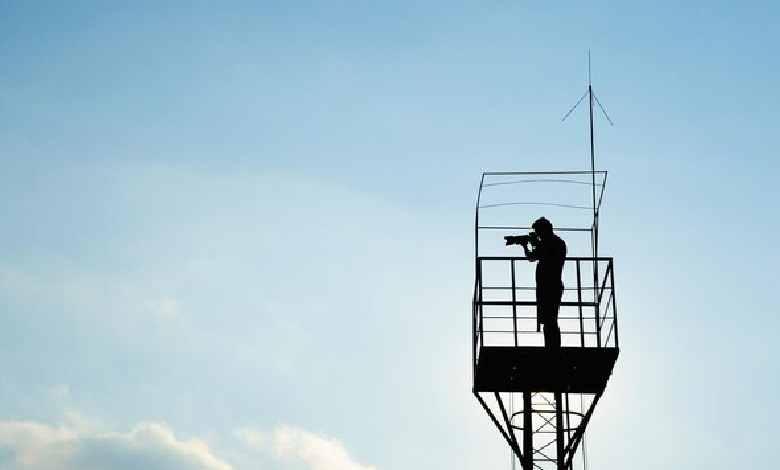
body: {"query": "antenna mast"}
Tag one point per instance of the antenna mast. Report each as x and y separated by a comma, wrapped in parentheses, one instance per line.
(593, 167)
(592, 102)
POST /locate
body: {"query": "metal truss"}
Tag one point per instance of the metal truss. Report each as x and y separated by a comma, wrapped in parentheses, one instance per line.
(546, 432)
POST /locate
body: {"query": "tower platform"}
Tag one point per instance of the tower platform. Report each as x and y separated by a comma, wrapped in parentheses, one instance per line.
(540, 369)
(539, 398)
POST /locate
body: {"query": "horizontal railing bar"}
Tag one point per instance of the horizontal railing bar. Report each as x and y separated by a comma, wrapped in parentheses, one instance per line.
(534, 288)
(523, 258)
(529, 303)
(520, 227)
(508, 288)
(575, 172)
(534, 332)
(505, 183)
(534, 318)
(549, 204)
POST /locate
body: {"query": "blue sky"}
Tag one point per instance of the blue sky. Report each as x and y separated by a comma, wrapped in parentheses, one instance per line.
(239, 234)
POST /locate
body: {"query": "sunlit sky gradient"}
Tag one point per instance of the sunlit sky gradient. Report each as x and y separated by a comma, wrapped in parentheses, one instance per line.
(238, 235)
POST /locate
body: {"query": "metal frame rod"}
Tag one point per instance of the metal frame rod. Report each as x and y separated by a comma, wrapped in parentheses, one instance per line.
(514, 303)
(614, 301)
(528, 435)
(580, 432)
(559, 444)
(498, 425)
(510, 430)
(509, 173)
(579, 307)
(523, 258)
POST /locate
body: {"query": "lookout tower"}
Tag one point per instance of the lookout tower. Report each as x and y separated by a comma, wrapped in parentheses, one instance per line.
(542, 398)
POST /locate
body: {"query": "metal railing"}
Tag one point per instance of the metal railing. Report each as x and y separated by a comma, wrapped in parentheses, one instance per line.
(504, 304)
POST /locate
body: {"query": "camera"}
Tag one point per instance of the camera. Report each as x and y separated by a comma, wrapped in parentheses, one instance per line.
(531, 238)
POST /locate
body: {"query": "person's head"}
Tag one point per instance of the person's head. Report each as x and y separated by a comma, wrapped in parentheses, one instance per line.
(542, 227)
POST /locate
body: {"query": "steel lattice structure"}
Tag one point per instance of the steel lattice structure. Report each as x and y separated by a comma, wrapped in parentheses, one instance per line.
(557, 388)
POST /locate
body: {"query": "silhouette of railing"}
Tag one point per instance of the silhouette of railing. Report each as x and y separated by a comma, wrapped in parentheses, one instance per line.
(504, 305)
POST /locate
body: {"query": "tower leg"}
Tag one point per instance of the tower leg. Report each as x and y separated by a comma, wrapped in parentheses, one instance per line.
(559, 431)
(528, 434)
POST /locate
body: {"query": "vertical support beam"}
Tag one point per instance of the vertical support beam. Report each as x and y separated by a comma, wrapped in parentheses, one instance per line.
(579, 305)
(481, 325)
(474, 340)
(477, 332)
(513, 455)
(528, 432)
(596, 302)
(560, 458)
(568, 419)
(614, 304)
(514, 303)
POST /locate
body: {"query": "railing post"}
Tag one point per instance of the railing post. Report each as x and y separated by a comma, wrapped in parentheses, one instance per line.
(474, 333)
(568, 418)
(597, 302)
(528, 432)
(614, 300)
(481, 312)
(559, 432)
(514, 303)
(579, 305)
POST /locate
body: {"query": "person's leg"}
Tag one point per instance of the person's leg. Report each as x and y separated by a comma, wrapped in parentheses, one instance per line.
(552, 321)
(548, 303)
(552, 334)
(546, 312)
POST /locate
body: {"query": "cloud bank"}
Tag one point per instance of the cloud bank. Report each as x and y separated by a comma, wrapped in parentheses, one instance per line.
(29, 445)
(302, 449)
(150, 446)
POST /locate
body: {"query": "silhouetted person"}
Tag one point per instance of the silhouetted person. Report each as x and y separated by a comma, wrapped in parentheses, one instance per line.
(549, 250)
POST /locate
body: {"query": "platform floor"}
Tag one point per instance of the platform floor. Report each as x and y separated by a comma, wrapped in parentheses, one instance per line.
(539, 369)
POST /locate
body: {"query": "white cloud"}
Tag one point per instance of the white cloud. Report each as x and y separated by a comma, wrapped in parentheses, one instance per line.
(78, 445)
(148, 446)
(304, 449)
